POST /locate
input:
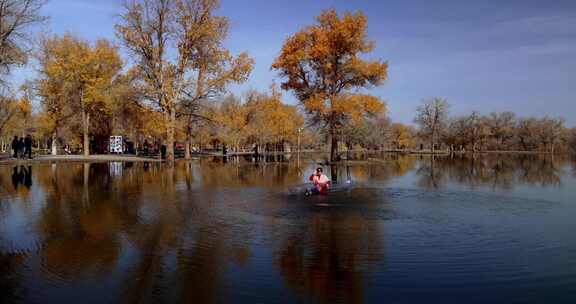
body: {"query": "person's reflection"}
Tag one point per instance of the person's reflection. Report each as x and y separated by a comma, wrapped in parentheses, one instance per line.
(22, 175)
(27, 177)
(15, 177)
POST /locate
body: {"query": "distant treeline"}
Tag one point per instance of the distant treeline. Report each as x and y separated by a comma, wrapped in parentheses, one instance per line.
(502, 131)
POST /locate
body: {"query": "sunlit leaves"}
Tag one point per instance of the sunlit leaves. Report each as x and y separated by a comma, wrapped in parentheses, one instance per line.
(180, 58)
(321, 64)
(85, 69)
(403, 136)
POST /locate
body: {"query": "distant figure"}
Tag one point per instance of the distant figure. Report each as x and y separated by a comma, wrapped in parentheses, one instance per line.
(15, 143)
(146, 147)
(321, 183)
(21, 147)
(28, 146)
(163, 151)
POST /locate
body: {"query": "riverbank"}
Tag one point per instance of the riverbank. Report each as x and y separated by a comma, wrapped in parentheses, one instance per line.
(4, 159)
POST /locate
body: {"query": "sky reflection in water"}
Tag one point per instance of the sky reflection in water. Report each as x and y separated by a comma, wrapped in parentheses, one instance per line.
(411, 229)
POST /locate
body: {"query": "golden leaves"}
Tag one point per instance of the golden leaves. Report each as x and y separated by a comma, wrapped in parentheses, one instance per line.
(89, 70)
(262, 118)
(321, 63)
(403, 136)
(180, 55)
(344, 107)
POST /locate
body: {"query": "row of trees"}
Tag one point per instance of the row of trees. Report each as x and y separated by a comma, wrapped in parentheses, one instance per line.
(502, 131)
(180, 67)
(176, 88)
(436, 130)
(16, 19)
(262, 119)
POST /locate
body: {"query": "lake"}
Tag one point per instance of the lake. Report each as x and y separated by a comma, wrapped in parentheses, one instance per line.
(408, 229)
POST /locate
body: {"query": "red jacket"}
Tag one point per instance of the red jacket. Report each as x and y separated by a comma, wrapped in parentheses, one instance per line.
(322, 187)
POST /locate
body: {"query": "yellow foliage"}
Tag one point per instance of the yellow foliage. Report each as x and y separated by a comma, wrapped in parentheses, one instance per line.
(76, 74)
(271, 119)
(321, 64)
(183, 61)
(403, 136)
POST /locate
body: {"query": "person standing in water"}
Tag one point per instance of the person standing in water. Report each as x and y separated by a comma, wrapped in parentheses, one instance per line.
(321, 183)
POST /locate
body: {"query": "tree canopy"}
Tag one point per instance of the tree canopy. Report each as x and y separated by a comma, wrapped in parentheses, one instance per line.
(180, 59)
(322, 65)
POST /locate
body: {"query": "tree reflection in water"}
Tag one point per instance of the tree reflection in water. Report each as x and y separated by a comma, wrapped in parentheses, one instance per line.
(497, 171)
(147, 233)
(329, 256)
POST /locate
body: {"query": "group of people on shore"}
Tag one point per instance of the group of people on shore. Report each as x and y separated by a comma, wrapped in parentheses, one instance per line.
(22, 147)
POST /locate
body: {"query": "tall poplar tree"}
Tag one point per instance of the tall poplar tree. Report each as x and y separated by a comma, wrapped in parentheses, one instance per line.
(322, 65)
(179, 57)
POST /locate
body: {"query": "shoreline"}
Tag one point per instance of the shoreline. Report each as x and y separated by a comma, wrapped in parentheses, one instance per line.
(5, 159)
(77, 158)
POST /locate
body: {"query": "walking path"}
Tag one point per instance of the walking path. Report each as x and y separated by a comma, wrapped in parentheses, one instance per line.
(5, 159)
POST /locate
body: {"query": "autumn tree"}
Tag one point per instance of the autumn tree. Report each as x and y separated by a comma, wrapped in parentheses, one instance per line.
(214, 67)
(15, 113)
(8, 109)
(270, 121)
(525, 131)
(402, 136)
(179, 56)
(572, 139)
(476, 131)
(231, 122)
(550, 133)
(16, 19)
(432, 117)
(73, 67)
(54, 94)
(321, 65)
(467, 131)
(380, 131)
(356, 133)
(501, 127)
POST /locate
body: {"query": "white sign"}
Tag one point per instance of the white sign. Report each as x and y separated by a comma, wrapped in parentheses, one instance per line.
(116, 144)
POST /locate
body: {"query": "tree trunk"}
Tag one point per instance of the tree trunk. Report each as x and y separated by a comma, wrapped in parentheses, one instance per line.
(188, 142)
(187, 154)
(171, 126)
(333, 145)
(85, 128)
(54, 147)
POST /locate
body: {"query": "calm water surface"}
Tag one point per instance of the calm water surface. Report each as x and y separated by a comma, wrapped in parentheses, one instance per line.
(490, 229)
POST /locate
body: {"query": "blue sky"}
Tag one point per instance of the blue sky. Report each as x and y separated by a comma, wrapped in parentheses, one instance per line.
(490, 55)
